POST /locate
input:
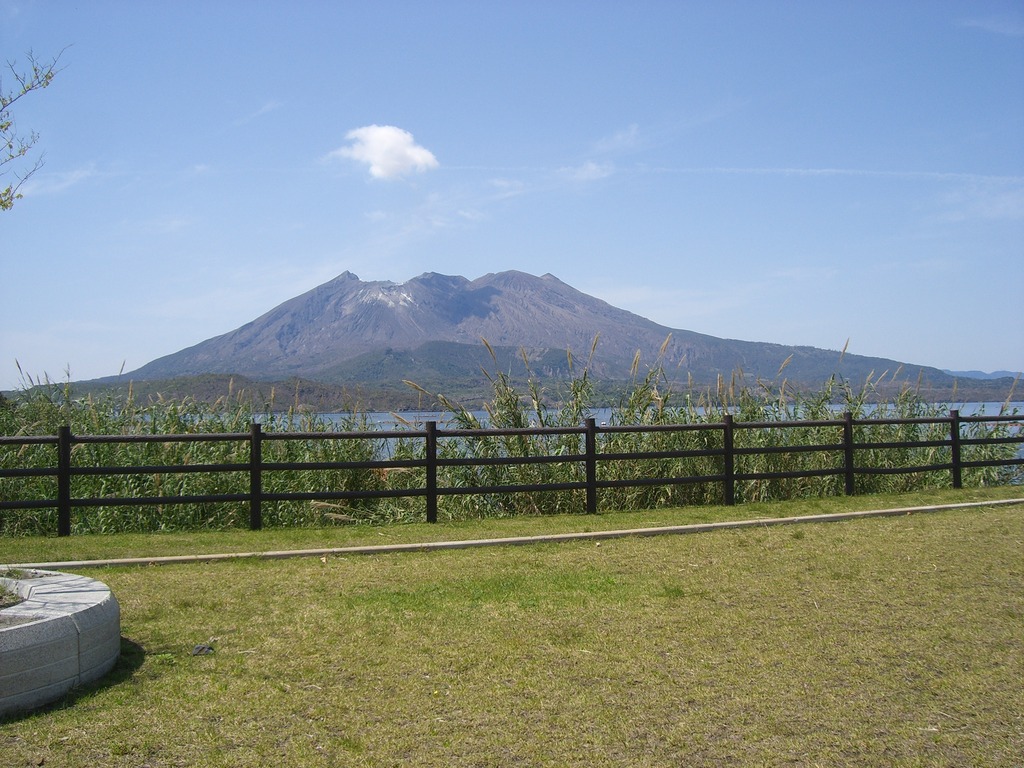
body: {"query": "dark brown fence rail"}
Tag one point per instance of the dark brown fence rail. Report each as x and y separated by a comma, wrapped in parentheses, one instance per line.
(723, 454)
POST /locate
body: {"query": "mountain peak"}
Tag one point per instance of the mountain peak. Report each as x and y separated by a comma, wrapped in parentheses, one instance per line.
(514, 279)
(387, 293)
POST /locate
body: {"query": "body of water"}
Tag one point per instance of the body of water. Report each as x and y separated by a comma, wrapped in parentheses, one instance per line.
(403, 419)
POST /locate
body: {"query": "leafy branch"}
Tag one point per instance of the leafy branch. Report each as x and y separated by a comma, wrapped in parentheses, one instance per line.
(14, 146)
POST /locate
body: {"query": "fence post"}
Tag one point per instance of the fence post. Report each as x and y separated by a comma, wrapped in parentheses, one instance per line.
(431, 449)
(590, 460)
(255, 476)
(848, 452)
(729, 481)
(954, 437)
(64, 481)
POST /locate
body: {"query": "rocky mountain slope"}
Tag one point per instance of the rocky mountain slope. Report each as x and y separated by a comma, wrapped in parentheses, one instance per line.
(432, 328)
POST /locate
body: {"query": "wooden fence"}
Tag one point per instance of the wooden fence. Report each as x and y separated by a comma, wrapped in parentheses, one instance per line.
(724, 455)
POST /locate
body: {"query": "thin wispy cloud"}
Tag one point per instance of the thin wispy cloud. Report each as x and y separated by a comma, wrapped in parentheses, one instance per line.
(589, 171)
(707, 115)
(267, 108)
(990, 202)
(1008, 27)
(53, 183)
(620, 141)
(855, 172)
(168, 224)
(506, 188)
(396, 229)
(388, 151)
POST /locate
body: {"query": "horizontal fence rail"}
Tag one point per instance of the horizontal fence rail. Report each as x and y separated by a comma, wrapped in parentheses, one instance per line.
(589, 462)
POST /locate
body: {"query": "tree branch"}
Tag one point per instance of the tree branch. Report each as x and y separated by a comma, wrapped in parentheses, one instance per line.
(13, 146)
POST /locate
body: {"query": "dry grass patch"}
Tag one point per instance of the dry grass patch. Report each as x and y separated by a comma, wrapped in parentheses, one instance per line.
(877, 642)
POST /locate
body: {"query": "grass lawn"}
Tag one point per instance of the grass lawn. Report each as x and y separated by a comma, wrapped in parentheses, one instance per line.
(93, 547)
(876, 642)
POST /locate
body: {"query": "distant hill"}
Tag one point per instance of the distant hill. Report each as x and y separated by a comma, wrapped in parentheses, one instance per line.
(370, 336)
(983, 375)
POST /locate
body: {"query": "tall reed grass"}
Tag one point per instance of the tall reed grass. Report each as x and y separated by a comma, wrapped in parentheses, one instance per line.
(649, 400)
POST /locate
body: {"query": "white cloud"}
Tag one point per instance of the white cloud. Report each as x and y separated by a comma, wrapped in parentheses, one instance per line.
(389, 151)
(589, 171)
(626, 139)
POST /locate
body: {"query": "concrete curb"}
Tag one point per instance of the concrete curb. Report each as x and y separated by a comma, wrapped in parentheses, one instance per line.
(65, 632)
(516, 540)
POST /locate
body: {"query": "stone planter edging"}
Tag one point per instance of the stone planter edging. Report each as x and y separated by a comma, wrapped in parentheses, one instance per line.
(65, 632)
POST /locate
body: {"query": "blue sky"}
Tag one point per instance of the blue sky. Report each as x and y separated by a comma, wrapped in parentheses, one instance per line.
(794, 172)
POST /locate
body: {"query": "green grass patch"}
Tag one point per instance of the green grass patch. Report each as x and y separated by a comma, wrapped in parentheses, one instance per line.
(35, 549)
(876, 642)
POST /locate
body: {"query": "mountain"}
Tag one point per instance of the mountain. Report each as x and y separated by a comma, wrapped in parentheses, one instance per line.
(432, 328)
(983, 375)
(347, 317)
